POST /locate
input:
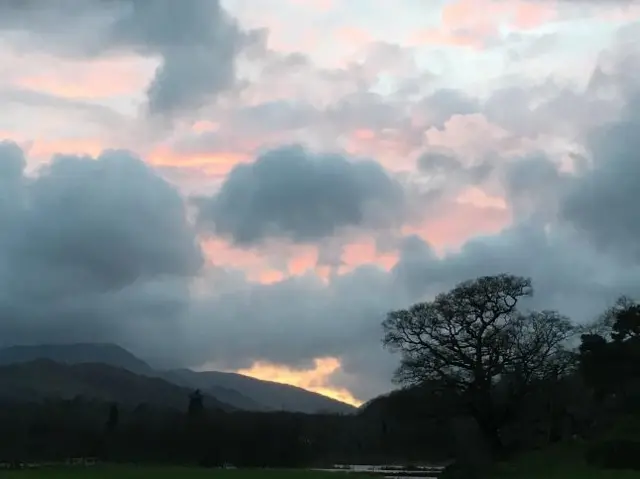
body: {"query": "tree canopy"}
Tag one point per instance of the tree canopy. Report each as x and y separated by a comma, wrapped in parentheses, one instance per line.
(473, 337)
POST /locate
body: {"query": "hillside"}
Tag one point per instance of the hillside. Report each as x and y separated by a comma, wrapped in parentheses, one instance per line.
(110, 354)
(44, 379)
(194, 380)
(269, 395)
(233, 389)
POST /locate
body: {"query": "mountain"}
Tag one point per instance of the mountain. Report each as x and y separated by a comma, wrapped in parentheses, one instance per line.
(269, 395)
(106, 353)
(236, 390)
(194, 380)
(45, 379)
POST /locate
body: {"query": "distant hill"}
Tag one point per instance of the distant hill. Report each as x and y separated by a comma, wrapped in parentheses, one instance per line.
(194, 380)
(267, 394)
(106, 353)
(45, 379)
(231, 389)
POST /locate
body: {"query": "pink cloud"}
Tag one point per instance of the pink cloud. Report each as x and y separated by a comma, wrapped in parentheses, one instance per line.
(452, 226)
(473, 137)
(214, 165)
(41, 151)
(122, 76)
(471, 23)
(318, 5)
(366, 252)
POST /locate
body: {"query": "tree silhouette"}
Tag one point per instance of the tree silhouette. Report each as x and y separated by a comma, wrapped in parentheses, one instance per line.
(610, 353)
(112, 420)
(626, 320)
(473, 337)
(196, 404)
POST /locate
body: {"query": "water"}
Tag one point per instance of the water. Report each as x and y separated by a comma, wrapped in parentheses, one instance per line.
(391, 472)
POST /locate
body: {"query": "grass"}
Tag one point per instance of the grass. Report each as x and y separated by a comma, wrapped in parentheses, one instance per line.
(565, 461)
(142, 472)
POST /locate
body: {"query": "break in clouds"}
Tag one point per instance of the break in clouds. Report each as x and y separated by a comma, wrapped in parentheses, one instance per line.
(106, 249)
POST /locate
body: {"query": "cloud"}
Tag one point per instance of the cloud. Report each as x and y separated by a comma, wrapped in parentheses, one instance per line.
(196, 40)
(91, 248)
(303, 196)
(87, 110)
(601, 205)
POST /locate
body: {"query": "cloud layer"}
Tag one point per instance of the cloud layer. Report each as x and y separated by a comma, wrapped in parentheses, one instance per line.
(303, 196)
(196, 41)
(304, 188)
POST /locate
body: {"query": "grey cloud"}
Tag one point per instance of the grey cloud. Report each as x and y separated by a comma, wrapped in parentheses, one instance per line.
(13, 163)
(603, 203)
(196, 39)
(438, 163)
(91, 111)
(447, 164)
(277, 116)
(446, 102)
(98, 249)
(533, 186)
(293, 193)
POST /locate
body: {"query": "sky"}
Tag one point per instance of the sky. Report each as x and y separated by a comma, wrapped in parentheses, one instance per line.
(252, 185)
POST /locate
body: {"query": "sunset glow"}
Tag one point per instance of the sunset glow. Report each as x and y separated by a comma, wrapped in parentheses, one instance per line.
(316, 379)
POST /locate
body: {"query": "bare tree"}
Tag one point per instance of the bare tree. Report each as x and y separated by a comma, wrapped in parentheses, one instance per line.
(473, 337)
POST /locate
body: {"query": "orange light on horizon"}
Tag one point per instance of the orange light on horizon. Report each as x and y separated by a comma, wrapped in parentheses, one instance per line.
(315, 379)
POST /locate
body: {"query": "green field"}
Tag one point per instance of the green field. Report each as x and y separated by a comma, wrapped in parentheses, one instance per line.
(562, 462)
(134, 472)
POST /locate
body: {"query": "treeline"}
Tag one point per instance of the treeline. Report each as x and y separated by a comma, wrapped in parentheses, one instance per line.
(57, 430)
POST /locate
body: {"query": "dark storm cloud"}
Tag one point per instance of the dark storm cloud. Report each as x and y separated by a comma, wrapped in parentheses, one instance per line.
(196, 40)
(603, 204)
(93, 249)
(296, 194)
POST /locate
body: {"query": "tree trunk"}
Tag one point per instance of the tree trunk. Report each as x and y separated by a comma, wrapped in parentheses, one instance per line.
(491, 434)
(472, 451)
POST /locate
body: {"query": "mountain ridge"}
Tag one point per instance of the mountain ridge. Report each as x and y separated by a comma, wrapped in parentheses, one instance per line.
(42, 379)
(233, 389)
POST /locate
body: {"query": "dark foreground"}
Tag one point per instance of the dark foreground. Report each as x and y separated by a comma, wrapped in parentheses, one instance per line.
(563, 462)
(140, 472)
